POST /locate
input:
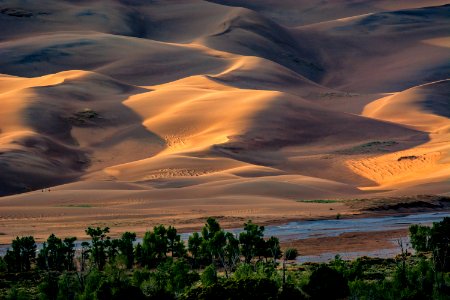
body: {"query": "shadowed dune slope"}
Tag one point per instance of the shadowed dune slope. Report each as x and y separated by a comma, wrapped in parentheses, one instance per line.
(171, 110)
(57, 126)
(304, 12)
(397, 43)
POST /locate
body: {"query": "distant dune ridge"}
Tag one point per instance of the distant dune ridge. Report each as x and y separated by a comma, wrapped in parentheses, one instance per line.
(155, 109)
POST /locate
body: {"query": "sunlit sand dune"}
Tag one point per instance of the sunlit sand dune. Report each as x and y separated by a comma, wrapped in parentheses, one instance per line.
(140, 112)
(424, 108)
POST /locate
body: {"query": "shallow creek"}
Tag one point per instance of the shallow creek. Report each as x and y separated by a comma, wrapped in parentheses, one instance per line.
(331, 228)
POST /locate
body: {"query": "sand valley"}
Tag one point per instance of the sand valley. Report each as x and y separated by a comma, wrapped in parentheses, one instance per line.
(131, 113)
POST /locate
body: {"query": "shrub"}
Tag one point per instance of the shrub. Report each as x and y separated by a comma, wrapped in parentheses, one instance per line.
(17, 294)
(244, 289)
(289, 292)
(327, 283)
(290, 254)
(209, 275)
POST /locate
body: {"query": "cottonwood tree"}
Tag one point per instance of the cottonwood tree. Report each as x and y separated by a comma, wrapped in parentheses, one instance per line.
(194, 246)
(148, 250)
(208, 247)
(272, 249)
(175, 244)
(231, 253)
(126, 248)
(57, 254)
(157, 243)
(69, 251)
(99, 244)
(22, 254)
(251, 240)
(214, 246)
(435, 239)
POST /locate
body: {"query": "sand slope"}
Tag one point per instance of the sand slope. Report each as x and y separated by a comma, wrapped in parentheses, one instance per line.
(151, 111)
(304, 12)
(425, 108)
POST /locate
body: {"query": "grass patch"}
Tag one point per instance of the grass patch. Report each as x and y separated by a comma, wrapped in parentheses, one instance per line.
(84, 117)
(375, 146)
(318, 201)
(337, 95)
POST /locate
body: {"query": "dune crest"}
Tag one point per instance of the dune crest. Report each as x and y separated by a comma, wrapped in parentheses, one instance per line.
(152, 111)
(425, 108)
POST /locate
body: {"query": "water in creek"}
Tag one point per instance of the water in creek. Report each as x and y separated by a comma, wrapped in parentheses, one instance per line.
(330, 228)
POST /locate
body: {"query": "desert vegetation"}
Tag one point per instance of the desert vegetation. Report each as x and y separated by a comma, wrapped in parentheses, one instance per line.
(215, 263)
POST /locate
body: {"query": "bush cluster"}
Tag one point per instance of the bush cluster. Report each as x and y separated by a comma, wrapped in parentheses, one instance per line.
(215, 264)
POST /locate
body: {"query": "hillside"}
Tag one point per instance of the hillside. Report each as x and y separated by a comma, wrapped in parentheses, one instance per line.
(149, 110)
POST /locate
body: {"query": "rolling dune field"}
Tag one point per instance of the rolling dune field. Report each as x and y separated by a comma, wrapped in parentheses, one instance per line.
(130, 113)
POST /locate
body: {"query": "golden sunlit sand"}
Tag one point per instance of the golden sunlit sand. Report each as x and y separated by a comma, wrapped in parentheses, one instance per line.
(134, 114)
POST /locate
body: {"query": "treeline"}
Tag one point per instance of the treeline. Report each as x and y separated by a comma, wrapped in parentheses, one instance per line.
(216, 264)
(212, 246)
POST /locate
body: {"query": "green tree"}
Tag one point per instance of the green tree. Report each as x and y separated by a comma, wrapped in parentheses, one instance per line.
(181, 276)
(84, 256)
(48, 288)
(22, 255)
(99, 244)
(440, 244)
(170, 277)
(92, 283)
(154, 246)
(435, 239)
(68, 286)
(259, 270)
(69, 253)
(251, 240)
(208, 247)
(126, 247)
(175, 244)
(223, 247)
(194, 246)
(112, 249)
(3, 265)
(231, 253)
(272, 249)
(209, 275)
(327, 283)
(15, 293)
(420, 237)
(138, 254)
(251, 288)
(50, 256)
(210, 228)
(216, 245)
(161, 241)
(57, 254)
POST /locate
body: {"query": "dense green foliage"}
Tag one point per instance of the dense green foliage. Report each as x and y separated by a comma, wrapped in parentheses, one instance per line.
(22, 255)
(435, 239)
(216, 264)
(57, 254)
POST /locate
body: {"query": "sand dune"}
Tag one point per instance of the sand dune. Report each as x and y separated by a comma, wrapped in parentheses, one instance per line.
(425, 108)
(304, 12)
(131, 113)
(391, 39)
